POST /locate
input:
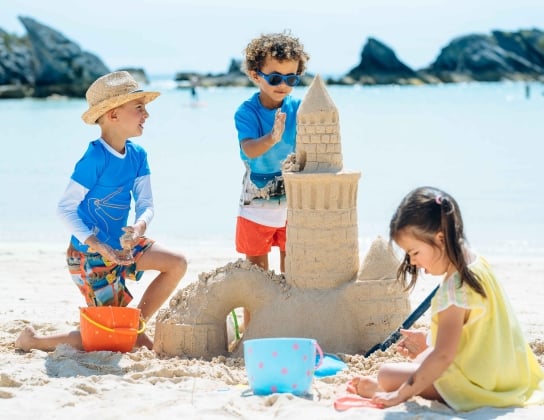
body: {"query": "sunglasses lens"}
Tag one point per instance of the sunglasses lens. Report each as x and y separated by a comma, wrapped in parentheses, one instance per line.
(274, 79)
(292, 80)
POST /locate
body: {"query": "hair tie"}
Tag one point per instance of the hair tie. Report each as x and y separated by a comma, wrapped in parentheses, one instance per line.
(438, 200)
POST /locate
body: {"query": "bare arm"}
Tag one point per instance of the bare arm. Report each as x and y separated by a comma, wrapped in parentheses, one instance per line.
(256, 147)
(450, 324)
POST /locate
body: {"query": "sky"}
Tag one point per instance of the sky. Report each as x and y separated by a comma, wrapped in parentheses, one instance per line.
(168, 36)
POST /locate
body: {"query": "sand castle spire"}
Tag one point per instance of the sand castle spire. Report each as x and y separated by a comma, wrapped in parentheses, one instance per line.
(318, 131)
(322, 236)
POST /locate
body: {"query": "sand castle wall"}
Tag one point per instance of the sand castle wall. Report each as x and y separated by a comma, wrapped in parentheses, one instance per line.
(350, 318)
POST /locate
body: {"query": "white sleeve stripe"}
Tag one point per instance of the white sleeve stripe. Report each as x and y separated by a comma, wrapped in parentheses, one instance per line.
(143, 198)
(67, 210)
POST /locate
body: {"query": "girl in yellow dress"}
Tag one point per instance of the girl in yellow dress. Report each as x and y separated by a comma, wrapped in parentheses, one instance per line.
(477, 355)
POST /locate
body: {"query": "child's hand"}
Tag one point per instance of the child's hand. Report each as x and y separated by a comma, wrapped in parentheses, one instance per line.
(129, 238)
(118, 257)
(279, 126)
(387, 399)
(413, 343)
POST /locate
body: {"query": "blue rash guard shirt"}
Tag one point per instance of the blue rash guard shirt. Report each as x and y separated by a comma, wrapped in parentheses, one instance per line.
(110, 180)
(252, 121)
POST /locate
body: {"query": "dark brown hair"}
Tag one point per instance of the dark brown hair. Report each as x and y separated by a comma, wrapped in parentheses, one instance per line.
(424, 212)
(280, 46)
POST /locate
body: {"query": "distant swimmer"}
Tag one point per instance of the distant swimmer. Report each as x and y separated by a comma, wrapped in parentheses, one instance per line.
(194, 93)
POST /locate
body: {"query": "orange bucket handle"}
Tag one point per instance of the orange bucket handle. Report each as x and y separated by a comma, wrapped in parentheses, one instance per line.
(126, 331)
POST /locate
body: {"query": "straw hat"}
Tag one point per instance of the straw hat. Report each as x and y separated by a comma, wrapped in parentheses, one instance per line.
(110, 91)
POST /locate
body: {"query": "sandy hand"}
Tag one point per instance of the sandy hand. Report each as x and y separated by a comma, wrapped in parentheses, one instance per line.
(413, 343)
(387, 399)
(129, 238)
(121, 257)
(279, 126)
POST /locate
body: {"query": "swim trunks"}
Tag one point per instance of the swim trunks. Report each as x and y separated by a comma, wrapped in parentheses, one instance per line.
(256, 239)
(102, 282)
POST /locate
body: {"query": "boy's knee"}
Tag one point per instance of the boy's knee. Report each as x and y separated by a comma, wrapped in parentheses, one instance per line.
(180, 265)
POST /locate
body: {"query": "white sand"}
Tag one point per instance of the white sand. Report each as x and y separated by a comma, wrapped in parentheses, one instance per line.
(71, 384)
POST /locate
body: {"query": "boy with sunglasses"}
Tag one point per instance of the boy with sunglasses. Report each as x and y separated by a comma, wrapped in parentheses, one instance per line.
(266, 126)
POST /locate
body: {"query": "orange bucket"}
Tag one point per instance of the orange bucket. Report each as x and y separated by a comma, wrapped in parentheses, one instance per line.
(112, 328)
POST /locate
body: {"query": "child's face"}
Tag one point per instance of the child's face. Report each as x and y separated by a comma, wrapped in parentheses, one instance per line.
(130, 117)
(272, 96)
(431, 258)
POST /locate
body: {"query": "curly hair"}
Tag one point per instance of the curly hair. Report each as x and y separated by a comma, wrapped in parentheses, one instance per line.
(281, 46)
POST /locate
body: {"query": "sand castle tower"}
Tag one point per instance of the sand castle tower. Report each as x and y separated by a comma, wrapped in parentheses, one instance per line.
(322, 250)
(324, 294)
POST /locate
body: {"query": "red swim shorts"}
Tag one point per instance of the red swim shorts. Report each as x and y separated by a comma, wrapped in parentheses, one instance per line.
(254, 239)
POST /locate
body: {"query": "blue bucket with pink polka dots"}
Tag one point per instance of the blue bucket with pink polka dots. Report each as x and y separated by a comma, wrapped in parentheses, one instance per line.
(279, 365)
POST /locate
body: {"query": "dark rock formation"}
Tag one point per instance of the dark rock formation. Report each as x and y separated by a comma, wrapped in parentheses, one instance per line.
(60, 66)
(380, 65)
(16, 73)
(138, 73)
(528, 44)
(44, 62)
(491, 58)
(233, 77)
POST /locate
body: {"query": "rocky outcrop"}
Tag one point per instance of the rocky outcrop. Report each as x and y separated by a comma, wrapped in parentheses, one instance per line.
(138, 73)
(16, 73)
(484, 58)
(44, 63)
(490, 58)
(60, 65)
(380, 65)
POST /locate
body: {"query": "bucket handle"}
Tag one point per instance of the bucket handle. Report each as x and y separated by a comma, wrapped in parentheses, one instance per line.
(321, 356)
(126, 331)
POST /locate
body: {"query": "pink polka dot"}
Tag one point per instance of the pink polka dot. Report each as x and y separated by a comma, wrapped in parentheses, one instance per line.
(274, 354)
(305, 357)
(308, 373)
(284, 371)
(296, 346)
(294, 386)
(261, 365)
(274, 388)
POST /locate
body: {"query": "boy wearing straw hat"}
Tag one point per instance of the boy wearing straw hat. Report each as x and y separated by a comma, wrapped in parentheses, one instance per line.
(104, 251)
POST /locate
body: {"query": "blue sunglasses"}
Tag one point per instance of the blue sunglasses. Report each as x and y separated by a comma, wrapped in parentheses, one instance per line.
(275, 79)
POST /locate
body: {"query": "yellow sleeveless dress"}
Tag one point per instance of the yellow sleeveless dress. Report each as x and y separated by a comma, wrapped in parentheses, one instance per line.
(494, 365)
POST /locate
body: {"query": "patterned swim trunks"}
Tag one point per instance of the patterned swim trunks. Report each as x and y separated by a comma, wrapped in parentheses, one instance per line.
(102, 282)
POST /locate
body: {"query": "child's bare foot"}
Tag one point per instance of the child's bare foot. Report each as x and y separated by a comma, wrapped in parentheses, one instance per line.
(144, 341)
(364, 386)
(26, 339)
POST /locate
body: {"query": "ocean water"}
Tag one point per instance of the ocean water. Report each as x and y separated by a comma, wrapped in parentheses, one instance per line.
(483, 143)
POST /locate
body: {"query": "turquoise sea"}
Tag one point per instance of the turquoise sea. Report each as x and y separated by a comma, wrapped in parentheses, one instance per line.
(483, 143)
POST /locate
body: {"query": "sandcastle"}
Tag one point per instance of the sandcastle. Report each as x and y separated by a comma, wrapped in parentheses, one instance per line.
(324, 293)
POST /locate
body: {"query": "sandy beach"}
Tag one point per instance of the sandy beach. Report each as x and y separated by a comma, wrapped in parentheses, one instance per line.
(72, 384)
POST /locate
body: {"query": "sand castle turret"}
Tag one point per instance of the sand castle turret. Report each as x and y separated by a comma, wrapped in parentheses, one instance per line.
(321, 199)
(324, 294)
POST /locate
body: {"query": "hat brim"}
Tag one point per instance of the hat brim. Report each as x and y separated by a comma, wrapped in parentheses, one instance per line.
(96, 111)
